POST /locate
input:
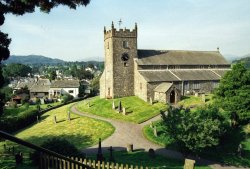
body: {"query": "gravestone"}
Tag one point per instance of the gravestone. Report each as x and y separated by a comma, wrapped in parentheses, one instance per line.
(37, 119)
(203, 98)
(155, 132)
(196, 94)
(120, 107)
(55, 120)
(124, 111)
(42, 101)
(189, 164)
(151, 100)
(113, 105)
(88, 104)
(130, 148)
(69, 116)
(111, 157)
(19, 158)
(239, 150)
(151, 153)
(151, 124)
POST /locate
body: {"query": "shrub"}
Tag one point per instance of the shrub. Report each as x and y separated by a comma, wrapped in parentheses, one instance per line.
(13, 104)
(58, 145)
(66, 98)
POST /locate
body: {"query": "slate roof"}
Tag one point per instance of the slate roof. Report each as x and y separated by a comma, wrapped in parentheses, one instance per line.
(180, 57)
(163, 87)
(158, 76)
(221, 72)
(42, 85)
(23, 84)
(180, 75)
(65, 84)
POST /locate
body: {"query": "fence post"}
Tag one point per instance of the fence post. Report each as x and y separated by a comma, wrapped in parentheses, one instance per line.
(81, 166)
(107, 165)
(98, 165)
(103, 165)
(72, 164)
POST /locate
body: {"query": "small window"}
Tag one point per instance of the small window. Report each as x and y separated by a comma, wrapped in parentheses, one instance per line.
(125, 44)
(71, 91)
(108, 46)
(125, 64)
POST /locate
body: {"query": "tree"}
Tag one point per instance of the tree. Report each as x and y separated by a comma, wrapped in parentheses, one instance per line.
(95, 85)
(194, 130)
(233, 93)
(52, 74)
(16, 70)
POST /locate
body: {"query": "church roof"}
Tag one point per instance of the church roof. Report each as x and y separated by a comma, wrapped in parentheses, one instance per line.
(181, 75)
(163, 87)
(158, 76)
(180, 57)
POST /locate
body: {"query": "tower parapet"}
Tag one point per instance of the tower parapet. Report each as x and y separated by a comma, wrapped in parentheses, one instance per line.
(127, 33)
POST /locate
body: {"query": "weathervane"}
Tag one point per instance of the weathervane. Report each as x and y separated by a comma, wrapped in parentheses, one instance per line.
(120, 23)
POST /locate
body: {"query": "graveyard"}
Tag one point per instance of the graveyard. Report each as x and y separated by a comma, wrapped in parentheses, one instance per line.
(136, 110)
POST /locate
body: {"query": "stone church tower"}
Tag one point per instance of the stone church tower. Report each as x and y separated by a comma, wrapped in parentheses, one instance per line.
(120, 48)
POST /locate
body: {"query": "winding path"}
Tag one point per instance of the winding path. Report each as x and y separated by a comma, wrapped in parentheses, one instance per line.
(131, 133)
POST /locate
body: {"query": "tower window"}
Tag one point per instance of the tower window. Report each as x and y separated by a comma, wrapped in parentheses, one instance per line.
(125, 44)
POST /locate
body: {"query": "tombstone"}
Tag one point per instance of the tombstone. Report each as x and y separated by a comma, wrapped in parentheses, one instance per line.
(189, 164)
(203, 98)
(124, 111)
(37, 119)
(42, 101)
(239, 150)
(151, 100)
(196, 94)
(120, 106)
(113, 105)
(151, 153)
(130, 148)
(99, 156)
(151, 124)
(69, 116)
(111, 157)
(55, 120)
(19, 158)
(155, 132)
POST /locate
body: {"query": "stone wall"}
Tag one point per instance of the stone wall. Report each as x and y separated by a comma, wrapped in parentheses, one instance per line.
(140, 85)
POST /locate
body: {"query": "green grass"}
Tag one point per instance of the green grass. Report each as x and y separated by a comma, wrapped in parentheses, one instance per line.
(193, 101)
(141, 158)
(139, 111)
(80, 131)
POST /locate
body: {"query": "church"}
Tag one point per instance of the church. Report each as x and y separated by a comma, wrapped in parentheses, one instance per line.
(156, 75)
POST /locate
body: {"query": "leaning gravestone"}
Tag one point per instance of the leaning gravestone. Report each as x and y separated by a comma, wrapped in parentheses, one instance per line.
(55, 119)
(69, 116)
(151, 124)
(155, 131)
(151, 100)
(113, 105)
(189, 164)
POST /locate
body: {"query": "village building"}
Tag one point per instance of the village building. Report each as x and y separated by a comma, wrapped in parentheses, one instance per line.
(40, 89)
(60, 87)
(162, 75)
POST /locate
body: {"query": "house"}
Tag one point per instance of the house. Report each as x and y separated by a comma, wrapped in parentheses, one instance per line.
(40, 89)
(60, 87)
(161, 75)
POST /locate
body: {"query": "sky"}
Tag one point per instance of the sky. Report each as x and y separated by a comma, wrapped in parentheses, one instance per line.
(77, 35)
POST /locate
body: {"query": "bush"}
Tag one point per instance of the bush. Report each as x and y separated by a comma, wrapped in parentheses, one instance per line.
(66, 98)
(13, 104)
(58, 145)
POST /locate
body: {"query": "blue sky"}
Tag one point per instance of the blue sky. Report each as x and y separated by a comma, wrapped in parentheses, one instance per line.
(162, 24)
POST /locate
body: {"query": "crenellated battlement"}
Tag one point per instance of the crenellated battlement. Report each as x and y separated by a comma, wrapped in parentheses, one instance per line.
(120, 32)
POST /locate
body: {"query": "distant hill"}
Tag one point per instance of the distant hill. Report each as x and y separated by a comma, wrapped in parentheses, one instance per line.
(33, 60)
(245, 59)
(230, 57)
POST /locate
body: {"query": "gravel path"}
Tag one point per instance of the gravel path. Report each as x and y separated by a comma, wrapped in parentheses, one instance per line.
(131, 133)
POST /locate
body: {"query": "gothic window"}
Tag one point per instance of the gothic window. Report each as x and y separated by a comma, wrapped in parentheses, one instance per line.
(125, 44)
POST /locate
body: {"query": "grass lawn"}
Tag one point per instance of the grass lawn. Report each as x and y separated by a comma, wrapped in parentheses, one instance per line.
(80, 131)
(141, 158)
(139, 111)
(192, 101)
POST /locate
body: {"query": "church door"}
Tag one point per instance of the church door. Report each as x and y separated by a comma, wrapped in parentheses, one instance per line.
(172, 96)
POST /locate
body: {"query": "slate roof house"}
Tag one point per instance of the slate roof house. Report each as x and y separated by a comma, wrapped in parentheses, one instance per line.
(59, 87)
(40, 89)
(163, 75)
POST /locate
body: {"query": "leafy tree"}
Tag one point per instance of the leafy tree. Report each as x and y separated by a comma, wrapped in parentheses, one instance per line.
(16, 70)
(95, 85)
(52, 75)
(194, 130)
(233, 93)
(8, 93)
